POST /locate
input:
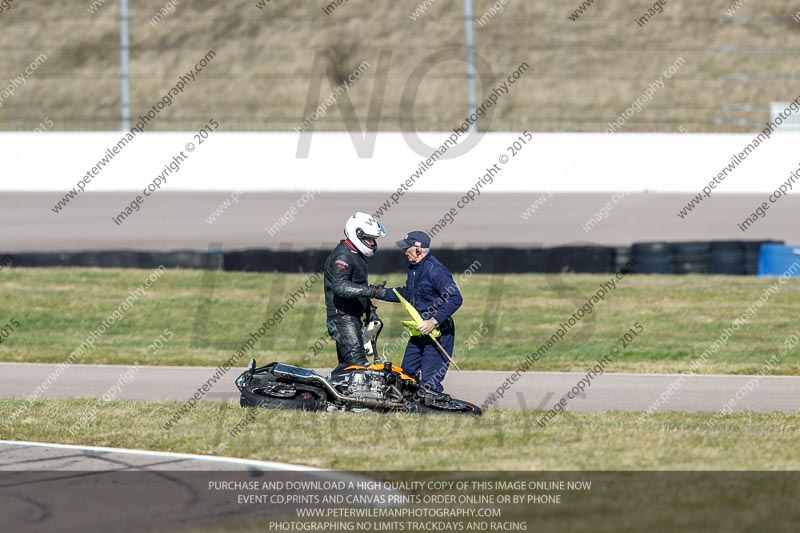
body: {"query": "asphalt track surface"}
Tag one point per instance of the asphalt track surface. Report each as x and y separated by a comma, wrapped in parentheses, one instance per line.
(173, 221)
(533, 390)
(52, 487)
(18, 456)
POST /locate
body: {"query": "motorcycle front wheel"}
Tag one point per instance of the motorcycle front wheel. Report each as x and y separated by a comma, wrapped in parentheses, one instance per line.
(278, 396)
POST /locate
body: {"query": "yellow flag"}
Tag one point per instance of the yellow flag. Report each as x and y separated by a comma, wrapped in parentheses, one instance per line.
(416, 319)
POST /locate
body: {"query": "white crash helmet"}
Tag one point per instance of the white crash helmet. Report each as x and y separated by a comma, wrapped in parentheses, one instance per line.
(362, 225)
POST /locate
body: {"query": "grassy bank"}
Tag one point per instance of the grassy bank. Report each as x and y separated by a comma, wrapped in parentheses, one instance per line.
(503, 319)
(501, 440)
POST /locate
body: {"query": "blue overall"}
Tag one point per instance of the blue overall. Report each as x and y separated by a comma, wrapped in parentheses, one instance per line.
(430, 288)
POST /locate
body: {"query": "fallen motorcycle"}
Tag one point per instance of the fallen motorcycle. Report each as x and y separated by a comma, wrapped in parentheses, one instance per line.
(380, 386)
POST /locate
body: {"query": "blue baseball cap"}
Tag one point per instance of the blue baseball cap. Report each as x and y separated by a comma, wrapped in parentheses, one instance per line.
(415, 238)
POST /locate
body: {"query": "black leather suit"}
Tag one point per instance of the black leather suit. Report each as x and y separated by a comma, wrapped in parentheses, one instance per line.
(347, 295)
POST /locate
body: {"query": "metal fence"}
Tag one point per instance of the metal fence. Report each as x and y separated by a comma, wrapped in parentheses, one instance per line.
(432, 62)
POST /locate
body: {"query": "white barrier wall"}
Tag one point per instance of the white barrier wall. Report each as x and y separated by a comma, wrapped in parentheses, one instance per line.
(268, 161)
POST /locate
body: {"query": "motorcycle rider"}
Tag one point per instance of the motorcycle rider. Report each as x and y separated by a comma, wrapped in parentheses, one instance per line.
(347, 291)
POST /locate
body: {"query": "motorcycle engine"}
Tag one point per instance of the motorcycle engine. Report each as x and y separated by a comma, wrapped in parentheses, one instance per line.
(367, 384)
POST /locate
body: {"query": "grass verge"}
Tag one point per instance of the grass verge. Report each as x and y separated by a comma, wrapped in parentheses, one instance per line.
(504, 319)
(500, 440)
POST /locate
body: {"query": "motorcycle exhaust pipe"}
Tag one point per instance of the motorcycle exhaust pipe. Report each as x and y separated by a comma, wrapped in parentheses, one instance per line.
(310, 377)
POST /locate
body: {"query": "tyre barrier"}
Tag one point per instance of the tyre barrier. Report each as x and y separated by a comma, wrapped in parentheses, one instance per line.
(580, 259)
(691, 257)
(652, 258)
(728, 257)
(490, 260)
(622, 255)
(653, 265)
(715, 257)
(697, 257)
(121, 259)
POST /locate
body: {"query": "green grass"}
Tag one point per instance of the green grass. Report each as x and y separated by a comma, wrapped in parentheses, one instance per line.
(500, 440)
(682, 315)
